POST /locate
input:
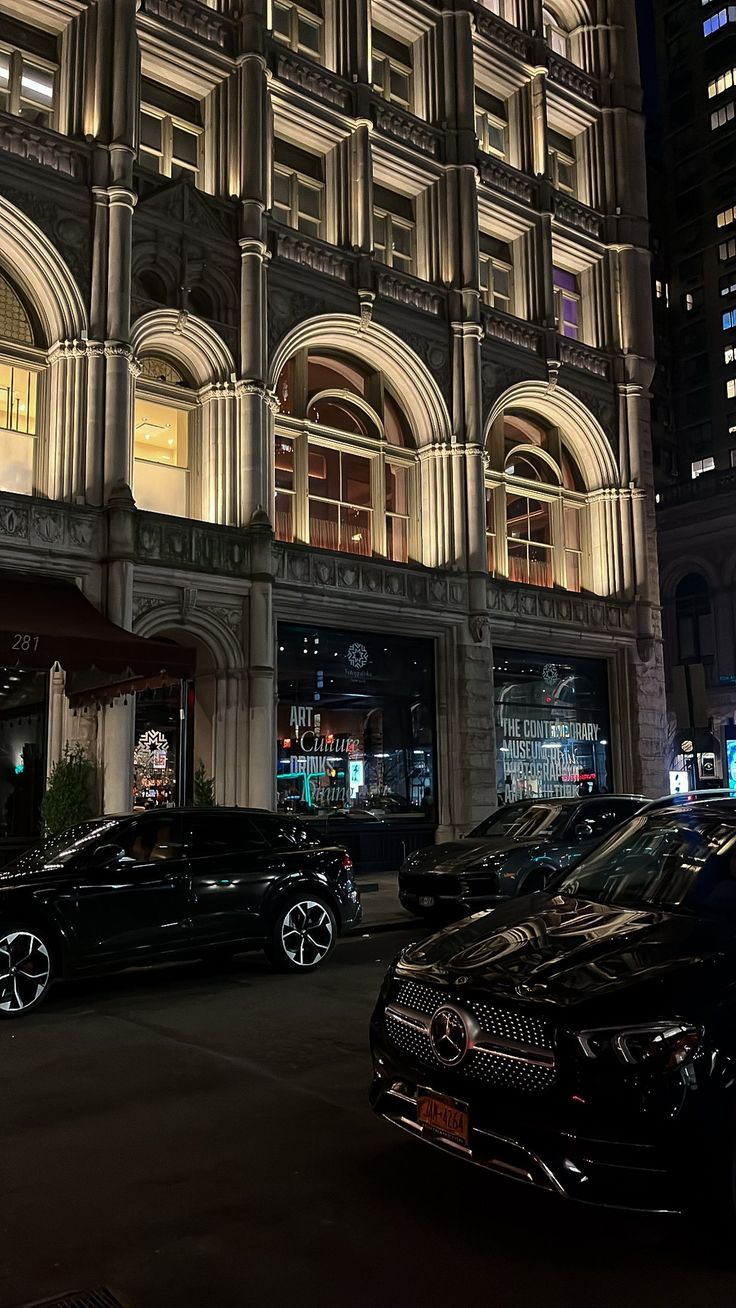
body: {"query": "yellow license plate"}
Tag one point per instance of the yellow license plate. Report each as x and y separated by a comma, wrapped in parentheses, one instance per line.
(440, 1115)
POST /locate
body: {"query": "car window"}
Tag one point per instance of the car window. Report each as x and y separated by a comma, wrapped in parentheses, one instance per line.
(282, 834)
(524, 821)
(155, 838)
(222, 833)
(603, 815)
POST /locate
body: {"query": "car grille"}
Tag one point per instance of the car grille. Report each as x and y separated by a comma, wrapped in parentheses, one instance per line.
(520, 1047)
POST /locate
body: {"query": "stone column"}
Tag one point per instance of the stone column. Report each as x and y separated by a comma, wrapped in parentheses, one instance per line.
(466, 729)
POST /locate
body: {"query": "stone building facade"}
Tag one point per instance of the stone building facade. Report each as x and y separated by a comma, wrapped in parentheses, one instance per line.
(333, 317)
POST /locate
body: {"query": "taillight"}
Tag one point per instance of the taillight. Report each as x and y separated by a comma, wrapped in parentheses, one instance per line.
(347, 862)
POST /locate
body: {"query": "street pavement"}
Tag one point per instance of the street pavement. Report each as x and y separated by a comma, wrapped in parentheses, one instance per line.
(197, 1138)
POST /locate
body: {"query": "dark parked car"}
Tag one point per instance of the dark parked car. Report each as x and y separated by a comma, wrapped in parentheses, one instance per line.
(514, 851)
(583, 1041)
(168, 884)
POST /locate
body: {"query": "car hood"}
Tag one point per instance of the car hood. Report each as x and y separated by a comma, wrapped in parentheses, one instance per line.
(468, 853)
(565, 950)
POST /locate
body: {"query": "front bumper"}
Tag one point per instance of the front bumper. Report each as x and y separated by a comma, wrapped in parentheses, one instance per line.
(535, 1145)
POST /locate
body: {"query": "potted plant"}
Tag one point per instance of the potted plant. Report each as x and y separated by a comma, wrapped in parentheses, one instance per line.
(70, 794)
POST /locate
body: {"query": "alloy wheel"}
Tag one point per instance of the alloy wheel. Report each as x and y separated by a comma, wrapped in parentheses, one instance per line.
(306, 933)
(25, 970)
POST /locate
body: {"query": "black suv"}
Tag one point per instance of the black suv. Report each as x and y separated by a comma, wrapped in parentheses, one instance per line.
(167, 884)
(513, 852)
(583, 1041)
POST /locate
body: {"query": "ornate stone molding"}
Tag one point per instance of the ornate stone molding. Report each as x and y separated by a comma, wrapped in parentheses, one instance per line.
(407, 290)
(193, 18)
(314, 81)
(39, 145)
(574, 214)
(297, 566)
(180, 543)
(502, 35)
(480, 626)
(587, 613)
(572, 78)
(502, 327)
(584, 357)
(41, 524)
(314, 254)
(501, 177)
(404, 127)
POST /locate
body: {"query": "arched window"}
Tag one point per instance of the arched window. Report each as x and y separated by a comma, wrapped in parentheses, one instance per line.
(164, 401)
(556, 32)
(344, 459)
(20, 364)
(536, 518)
(694, 620)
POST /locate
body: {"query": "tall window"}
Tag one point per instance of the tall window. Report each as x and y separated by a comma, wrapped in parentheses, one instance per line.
(567, 303)
(163, 405)
(394, 230)
(496, 274)
(300, 26)
(694, 616)
(392, 69)
(555, 32)
(491, 124)
(28, 72)
(171, 133)
(344, 460)
(18, 396)
(298, 188)
(561, 151)
(540, 498)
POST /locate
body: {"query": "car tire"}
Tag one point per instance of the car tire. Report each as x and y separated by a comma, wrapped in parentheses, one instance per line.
(26, 968)
(303, 933)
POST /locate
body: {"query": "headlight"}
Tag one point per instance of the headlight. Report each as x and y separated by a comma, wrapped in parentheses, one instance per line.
(665, 1044)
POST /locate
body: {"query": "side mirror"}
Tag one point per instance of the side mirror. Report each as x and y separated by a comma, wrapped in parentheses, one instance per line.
(105, 855)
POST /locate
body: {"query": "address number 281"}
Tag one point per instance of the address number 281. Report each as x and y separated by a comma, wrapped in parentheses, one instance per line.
(23, 641)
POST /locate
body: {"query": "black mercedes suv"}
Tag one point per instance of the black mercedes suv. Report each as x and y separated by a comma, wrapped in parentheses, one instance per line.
(585, 1040)
(171, 883)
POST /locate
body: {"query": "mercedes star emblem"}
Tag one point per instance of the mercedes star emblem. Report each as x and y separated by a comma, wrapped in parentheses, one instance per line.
(449, 1035)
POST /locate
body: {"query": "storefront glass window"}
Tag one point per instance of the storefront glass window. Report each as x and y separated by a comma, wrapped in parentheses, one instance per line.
(157, 763)
(552, 725)
(23, 724)
(355, 723)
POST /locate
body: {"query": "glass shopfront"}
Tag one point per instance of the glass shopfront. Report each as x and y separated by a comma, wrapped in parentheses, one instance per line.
(355, 723)
(552, 725)
(23, 727)
(162, 763)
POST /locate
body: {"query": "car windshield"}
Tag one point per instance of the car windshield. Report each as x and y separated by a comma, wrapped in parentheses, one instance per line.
(61, 848)
(521, 821)
(685, 859)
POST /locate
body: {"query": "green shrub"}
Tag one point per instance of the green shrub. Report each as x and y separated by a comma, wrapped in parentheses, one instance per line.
(204, 788)
(70, 794)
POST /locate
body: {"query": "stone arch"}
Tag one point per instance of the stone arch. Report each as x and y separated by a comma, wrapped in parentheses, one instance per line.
(571, 14)
(674, 572)
(409, 378)
(219, 707)
(32, 263)
(184, 337)
(582, 432)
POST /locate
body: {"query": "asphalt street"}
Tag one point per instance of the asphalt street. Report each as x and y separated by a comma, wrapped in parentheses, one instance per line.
(188, 1137)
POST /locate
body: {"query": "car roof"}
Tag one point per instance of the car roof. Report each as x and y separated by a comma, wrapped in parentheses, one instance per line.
(568, 801)
(719, 806)
(192, 808)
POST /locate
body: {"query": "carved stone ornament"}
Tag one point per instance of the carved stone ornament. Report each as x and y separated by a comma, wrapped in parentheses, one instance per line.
(480, 627)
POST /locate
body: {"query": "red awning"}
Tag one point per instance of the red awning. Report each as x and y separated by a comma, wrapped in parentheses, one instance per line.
(44, 621)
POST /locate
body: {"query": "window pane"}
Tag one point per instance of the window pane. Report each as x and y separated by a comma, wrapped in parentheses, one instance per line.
(284, 524)
(324, 525)
(151, 128)
(355, 531)
(490, 512)
(284, 463)
(402, 240)
(324, 472)
(16, 461)
(281, 21)
(566, 281)
(539, 522)
(397, 539)
(4, 71)
(185, 146)
(37, 85)
(572, 527)
(356, 480)
(159, 489)
(400, 84)
(397, 489)
(309, 35)
(496, 137)
(310, 200)
(573, 570)
(282, 189)
(17, 399)
(501, 282)
(379, 236)
(160, 433)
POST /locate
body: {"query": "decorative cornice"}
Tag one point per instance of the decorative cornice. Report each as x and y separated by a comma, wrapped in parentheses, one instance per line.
(405, 128)
(314, 81)
(39, 145)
